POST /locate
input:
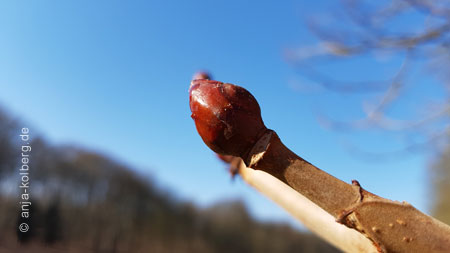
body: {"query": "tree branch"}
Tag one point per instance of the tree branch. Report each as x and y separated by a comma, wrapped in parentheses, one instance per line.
(307, 212)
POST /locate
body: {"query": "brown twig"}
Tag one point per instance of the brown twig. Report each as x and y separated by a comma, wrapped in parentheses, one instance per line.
(228, 119)
(311, 215)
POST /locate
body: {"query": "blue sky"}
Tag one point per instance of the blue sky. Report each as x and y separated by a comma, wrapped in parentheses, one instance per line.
(113, 76)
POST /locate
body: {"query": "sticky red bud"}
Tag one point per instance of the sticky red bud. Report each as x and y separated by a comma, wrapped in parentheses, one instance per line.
(227, 117)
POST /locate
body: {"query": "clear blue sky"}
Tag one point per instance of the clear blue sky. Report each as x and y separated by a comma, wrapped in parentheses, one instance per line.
(113, 76)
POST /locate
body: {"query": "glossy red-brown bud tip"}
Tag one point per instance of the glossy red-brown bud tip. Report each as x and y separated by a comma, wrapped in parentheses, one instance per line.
(227, 117)
(201, 75)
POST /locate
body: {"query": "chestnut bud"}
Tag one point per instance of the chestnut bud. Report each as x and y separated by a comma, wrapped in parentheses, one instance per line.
(227, 116)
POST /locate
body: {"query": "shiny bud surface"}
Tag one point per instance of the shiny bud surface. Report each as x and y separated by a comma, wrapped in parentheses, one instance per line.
(227, 116)
(201, 75)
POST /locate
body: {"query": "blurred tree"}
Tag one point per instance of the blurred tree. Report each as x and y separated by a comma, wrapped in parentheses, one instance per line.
(415, 36)
(52, 223)
(9, 138)
(440, 180)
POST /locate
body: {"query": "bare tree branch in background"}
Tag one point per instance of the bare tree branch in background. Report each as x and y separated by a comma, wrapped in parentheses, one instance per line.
(368, 28)
(416, 34)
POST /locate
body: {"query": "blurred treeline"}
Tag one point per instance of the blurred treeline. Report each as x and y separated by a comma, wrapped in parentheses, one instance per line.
(83, 201)
(440, 182)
